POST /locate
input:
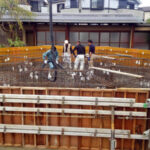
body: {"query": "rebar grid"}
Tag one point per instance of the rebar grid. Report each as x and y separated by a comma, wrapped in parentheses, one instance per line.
(27, 71)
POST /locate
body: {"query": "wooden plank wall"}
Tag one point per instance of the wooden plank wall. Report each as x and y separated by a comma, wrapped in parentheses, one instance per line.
(67, 142)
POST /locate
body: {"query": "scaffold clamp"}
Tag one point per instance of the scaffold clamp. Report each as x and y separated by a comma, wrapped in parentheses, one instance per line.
(96, 101)
(147, 104)
(63, 100)
(3, 98)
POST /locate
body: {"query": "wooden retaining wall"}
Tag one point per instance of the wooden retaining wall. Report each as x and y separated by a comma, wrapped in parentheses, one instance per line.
(136, 126)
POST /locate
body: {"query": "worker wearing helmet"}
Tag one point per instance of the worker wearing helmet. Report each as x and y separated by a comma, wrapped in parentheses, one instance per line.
(67, 51)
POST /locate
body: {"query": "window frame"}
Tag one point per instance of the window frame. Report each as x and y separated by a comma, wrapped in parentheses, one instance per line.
(101, 8)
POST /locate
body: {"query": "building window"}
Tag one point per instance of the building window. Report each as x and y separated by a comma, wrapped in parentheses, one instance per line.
(131, 6)
(48, 39)
(43, 37)
(60, 7)
(122, 4)
(124, 39)
(34, 6)
(94, 36)
(73, 4)
(84, 36)
(97, 4)
(74, 37)
(104, 39)
(115, 39)
(141, 40)
(60, 37)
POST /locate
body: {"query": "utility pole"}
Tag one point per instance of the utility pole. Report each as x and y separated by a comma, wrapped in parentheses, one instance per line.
(51, 24)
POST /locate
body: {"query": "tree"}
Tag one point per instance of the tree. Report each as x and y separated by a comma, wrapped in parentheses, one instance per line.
(12, 8)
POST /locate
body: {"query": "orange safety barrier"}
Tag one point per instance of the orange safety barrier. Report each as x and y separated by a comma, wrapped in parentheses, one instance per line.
(17, 54)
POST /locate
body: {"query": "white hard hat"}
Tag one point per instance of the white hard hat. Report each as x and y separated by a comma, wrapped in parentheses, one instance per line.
(66, 41)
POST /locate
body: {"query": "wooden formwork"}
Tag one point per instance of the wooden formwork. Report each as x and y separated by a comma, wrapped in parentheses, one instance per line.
(18, 54)
(136, 126)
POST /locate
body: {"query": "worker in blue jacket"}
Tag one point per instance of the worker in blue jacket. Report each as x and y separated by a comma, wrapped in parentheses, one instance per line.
(52, 56)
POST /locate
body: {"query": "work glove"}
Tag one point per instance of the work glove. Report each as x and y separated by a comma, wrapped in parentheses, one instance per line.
(45, 61)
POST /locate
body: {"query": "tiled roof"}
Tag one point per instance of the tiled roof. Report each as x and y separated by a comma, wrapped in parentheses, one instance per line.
(145, 9)
(81, 18)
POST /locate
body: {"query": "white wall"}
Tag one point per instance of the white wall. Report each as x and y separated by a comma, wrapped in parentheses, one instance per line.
(85, 3)
(46, 9)
(147, 16)
(26, 7)
(67, 4)
(54, 8)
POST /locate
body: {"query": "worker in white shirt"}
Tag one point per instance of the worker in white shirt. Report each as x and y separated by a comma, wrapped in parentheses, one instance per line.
(67, 51)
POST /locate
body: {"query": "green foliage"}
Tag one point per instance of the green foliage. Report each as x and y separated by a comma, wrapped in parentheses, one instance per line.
(148, 21)
(16, 43)
(2, 45)
(12, 8)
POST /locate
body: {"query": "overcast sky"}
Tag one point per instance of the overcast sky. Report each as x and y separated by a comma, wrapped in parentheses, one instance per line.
(145, 3)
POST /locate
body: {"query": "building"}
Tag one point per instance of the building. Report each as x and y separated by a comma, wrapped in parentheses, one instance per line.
(146, 12)
(122, 26)
(103, 4)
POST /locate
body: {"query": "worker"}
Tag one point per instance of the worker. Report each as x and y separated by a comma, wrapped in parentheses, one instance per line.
(92, 54)
(52, 57)
(80, 58)
(91, 48)
(67, 51)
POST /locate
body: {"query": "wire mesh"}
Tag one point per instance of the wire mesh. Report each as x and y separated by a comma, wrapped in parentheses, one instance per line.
(26, 70)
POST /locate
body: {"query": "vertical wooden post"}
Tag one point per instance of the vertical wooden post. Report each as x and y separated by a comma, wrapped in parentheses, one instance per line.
(113, 141)
(132, 36)
(123, 123)
(148, 124)
(34, 35)
(149, 141)
(24, 36)
(134, 125)
(47, 121)
(22, 116)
